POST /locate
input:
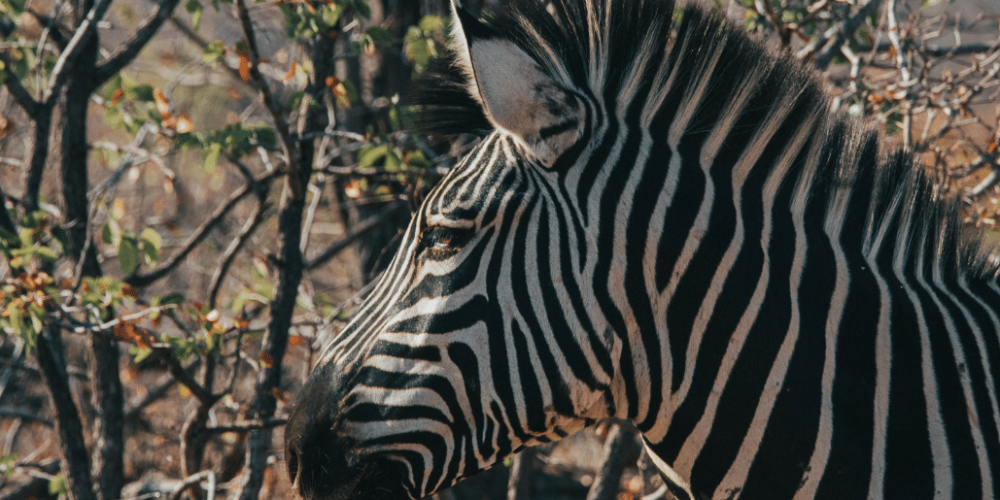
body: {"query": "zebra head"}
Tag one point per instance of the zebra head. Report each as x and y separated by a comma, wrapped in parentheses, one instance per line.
(478, 340)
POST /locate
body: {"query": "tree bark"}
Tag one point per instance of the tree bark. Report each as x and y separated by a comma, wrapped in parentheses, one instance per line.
(75, 463)
(621, 449)
(108, 455)
(519, 485)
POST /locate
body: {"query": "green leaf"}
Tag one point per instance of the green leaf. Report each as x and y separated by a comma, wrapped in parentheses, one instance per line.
(111, 233)
(27, 237)
(350, 91)
(212, 52)
(331, 14)
(210, 156)
(194, 8)
(418, 51)
(380, 34)
(369, 155)
(14, 7)
(139, 354)
(47, 254)
(430, 23)
(7, 463)
(114, 84)
(142, 92)
(151, 243)
(266, 137)
(58, 485)
(362, 9)
(128, 253)
(416, 159)
(172, 298)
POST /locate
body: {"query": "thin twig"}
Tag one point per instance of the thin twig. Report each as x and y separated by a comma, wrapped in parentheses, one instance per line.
(131, 49)
(16, 89)
(76, 45)
(21, 413)
(159, 389)
(290, 150)
(249, 228)
(194, 480)
(358, 232)
(253, 425)
(145, 279)
(832, 39)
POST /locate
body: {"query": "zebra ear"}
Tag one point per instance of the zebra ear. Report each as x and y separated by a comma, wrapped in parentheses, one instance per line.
(517, 94)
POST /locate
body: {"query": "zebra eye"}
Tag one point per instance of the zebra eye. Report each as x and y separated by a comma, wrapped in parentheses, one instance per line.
(442, 242)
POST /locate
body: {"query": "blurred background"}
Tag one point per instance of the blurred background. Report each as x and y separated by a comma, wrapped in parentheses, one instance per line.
(198, 193)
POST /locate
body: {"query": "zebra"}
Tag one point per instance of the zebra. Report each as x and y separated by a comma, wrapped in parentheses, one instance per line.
(664, 223)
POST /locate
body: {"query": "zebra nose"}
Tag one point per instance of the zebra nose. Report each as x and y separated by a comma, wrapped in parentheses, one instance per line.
(317, 467)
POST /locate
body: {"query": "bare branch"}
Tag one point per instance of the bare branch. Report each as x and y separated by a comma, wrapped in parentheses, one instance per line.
(16, 89)
(190, 481)
(827, 45)
(181, 375)
(358, 232)
(621, 449)
(76, 45)
(253, 425)
(142, 36)
(158, 391)
(11, 412)
(40, 130)
(289, 148)
(940, 51)
(144, 279)
(76, 462)
(382, 171)
(764, 8)
(5, 220)
(249, 228)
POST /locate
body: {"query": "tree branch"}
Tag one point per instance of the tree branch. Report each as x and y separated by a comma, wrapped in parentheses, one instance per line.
(76, 46)
(142, 36)
(833, 38)
(249, 228)
(145, 279)
(11, 412)
(359, 231)
(16, 89)
(181, 375)
(294, 182)
(938, 51)
(193, 480)
(5, 220)
(41, 130)
(75, 462)
(253, 425)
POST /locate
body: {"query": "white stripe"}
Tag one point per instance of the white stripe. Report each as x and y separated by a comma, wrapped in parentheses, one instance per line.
(938, 438)
(737, 474)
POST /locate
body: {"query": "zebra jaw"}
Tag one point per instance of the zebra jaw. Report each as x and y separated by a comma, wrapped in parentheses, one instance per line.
(321, 462)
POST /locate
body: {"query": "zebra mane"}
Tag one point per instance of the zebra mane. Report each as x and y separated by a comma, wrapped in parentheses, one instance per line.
(616, 48)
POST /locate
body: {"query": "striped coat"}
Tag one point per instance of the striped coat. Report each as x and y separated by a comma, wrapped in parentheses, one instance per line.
(663, 223)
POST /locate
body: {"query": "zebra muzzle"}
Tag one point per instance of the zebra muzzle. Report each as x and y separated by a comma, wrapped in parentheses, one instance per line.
(323, 463)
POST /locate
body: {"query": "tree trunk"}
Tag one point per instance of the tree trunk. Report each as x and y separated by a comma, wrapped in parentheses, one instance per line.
(108, 459)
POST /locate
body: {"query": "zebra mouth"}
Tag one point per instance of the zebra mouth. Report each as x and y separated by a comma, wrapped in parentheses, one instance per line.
(329, 477)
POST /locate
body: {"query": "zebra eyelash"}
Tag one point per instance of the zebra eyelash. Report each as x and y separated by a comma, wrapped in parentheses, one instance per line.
(442, 242)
